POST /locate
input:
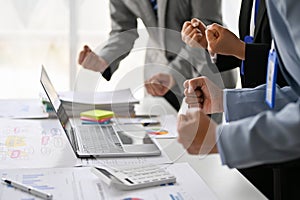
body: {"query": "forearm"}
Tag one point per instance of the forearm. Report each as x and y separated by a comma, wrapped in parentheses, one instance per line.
(263, 139)
(240, 50)
(242, 103)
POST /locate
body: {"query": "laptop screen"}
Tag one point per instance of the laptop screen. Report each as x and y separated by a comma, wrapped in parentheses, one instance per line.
(56, 104)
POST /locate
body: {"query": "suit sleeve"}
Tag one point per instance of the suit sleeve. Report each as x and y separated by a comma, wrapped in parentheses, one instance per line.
(122, 36)
(267, 138)
(256, 57)
(260, 136)
(190, 61)
(208, 12)
(242, 103)
(225, 63)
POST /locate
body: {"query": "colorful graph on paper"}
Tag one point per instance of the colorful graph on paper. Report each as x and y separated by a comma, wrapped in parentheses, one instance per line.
(24, 139)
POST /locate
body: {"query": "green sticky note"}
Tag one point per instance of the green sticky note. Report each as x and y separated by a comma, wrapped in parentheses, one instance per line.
(97, 114)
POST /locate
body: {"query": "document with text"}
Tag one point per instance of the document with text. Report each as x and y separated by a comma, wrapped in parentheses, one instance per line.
(81, 183)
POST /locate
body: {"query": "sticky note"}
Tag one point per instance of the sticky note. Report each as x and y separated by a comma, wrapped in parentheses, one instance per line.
(97, 114)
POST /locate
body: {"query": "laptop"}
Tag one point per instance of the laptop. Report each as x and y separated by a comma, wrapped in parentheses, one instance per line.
(100, 140)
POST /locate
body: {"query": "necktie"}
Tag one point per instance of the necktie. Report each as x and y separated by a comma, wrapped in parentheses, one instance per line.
(154, 6)
(257, 2)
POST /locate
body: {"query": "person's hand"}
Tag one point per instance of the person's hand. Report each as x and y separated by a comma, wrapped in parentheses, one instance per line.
(193, 33)
(159, 84)
(202, 93)
(89, 60)
(196, 132)
(222, 41)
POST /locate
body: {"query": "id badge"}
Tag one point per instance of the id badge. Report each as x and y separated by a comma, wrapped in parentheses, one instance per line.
(271, 78)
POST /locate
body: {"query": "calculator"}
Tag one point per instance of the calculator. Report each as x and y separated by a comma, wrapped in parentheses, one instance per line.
(131, 178)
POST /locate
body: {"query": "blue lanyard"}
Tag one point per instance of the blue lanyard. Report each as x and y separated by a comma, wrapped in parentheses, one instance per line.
(271, 77)
(249, 39)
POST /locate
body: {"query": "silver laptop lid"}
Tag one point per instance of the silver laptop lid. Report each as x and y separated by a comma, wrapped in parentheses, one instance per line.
(57, 106)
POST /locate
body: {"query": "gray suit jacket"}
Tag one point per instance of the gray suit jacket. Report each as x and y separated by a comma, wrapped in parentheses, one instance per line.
(165, 50)
(265, 136)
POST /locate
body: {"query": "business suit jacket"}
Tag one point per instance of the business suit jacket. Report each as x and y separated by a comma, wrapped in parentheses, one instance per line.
(256, 55)
(165, 49)
(262, 135)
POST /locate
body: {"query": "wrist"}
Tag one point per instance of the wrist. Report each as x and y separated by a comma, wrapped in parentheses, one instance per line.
(240, 50)
(210, 142)
(221, 107)
(215, 148)
(102, 64)
(172, 82)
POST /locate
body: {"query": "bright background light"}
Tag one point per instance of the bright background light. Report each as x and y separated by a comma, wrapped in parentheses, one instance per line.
(36, 32)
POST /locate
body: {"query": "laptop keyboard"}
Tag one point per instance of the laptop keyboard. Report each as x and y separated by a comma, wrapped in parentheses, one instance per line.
(99, 139)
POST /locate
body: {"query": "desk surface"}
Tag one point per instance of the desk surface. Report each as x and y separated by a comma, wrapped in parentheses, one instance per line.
(225, 183)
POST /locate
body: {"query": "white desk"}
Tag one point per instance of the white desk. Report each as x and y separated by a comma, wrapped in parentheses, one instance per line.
(225, 183)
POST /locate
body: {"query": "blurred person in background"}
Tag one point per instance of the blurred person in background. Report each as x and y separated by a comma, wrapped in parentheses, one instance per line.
(169, 62)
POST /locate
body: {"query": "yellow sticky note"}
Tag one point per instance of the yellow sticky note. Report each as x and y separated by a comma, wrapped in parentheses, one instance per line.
(97, 114)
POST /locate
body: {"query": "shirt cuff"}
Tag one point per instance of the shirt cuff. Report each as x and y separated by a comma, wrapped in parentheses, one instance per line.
(226, 103)
(219, 143)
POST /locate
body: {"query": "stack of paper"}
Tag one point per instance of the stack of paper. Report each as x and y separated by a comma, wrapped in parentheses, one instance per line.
(22, 108)
(121, 102)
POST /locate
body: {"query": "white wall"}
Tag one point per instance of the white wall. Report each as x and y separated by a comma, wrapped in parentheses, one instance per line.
(231, 11)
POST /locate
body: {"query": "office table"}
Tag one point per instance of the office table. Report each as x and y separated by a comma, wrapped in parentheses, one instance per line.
(225, 183)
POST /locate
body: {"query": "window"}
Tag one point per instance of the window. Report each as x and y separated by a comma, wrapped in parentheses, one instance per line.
(36, 32)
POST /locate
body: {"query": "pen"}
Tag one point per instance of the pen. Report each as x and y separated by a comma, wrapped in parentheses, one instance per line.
(28, 189)
(146, 116)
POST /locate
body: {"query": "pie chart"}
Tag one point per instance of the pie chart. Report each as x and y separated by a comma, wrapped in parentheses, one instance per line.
(130, 198)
